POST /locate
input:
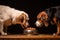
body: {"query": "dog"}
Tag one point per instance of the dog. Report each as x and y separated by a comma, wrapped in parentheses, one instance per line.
(10, 16)
(44, 21)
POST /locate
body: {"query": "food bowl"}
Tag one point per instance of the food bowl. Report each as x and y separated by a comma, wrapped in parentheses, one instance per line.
(30, 31)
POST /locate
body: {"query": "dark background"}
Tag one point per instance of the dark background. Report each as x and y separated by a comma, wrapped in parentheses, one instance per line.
(32, 7)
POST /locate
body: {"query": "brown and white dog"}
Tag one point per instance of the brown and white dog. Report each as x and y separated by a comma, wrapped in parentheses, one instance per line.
(42, 18)
(10, 16)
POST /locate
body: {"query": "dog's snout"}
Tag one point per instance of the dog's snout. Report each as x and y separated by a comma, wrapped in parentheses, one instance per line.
(37, 23)
(27, 24)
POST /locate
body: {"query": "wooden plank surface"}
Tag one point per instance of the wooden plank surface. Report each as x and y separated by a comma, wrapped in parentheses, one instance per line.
(29, 36)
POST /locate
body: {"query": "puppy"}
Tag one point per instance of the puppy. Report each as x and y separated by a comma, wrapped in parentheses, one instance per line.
(10, 16)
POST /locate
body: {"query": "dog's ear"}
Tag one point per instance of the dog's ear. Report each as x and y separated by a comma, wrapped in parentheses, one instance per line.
(23, 18)
(20, 19)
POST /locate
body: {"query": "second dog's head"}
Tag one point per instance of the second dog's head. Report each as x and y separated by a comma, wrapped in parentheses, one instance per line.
(42, 17)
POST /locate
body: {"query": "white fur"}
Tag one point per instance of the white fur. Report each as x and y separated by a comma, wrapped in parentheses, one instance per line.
(6, 13)
(38, 23)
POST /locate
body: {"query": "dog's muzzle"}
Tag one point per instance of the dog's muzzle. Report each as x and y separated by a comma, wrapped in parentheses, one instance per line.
(37, 24)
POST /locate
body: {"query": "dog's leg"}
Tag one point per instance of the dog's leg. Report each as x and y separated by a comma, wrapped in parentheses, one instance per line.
(1, 29)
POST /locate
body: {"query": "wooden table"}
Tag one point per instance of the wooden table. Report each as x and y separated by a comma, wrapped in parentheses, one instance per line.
(29, 37)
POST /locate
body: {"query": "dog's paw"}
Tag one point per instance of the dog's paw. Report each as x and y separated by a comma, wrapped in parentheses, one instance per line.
(4, 33)
(54, 34)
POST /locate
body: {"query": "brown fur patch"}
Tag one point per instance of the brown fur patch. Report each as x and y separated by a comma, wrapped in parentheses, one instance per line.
(7, 22)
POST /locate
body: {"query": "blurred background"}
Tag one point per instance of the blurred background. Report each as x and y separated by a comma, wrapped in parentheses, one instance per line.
(32, 7)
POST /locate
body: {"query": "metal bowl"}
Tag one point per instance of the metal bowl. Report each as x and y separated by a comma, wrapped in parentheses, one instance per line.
(30, 31)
